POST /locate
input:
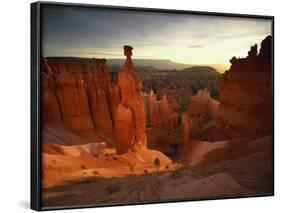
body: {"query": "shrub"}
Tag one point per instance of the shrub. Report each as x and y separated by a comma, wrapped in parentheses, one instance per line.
(95, 172)
(149, 126)
(111, 189)
(82, 166)
(157, 162)
(132, 169)
(176, 174)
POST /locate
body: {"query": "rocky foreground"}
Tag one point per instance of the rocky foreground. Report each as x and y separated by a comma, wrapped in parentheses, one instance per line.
(211, 170)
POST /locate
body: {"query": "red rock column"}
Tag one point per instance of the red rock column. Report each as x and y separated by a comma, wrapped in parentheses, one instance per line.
(154, 110)
(165, 113)
(131, 100)
(124, 130)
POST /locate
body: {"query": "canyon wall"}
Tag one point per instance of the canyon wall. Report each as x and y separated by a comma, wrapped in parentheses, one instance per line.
(79, 94)
(246, 94)
(245, 105)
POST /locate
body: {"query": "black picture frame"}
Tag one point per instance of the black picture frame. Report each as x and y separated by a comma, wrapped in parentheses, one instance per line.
(36, 60)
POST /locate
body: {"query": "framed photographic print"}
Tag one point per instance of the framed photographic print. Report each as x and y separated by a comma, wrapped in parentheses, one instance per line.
(137, 105)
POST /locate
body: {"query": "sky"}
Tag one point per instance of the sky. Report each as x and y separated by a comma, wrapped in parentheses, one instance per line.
(182, 38)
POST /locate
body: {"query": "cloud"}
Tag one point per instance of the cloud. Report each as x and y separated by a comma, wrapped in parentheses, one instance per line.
(104, 53)
(195, 46)
(90, 32)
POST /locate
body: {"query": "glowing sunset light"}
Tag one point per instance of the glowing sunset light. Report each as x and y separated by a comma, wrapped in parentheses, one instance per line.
(189, 39)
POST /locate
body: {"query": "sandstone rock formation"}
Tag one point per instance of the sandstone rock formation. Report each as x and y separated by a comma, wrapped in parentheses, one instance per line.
(162, 124)
(98, 88)
(90, 149)
(246, 94)
(73, 101)
(130, 111)
(201, 114)
(245, 105)
(50, 109)
(153, 114)
(160, 113)
(185, 129)
(80, 94)
(168, 117)
(125, 129)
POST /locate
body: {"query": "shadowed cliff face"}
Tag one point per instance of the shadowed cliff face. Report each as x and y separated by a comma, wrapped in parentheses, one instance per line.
(245, 105)
(160, 113)
(200, 117)
(246, 97)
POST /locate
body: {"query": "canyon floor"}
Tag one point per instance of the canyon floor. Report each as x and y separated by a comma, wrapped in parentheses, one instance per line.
(215, 169)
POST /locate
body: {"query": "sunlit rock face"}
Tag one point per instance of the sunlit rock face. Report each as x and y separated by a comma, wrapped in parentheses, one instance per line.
(73, 102)
(80, 94)
(246, 94)
(99, 90)
(125, 130)
(131, 110)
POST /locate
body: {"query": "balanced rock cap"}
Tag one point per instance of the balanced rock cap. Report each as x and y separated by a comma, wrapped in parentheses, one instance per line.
(128, 50)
